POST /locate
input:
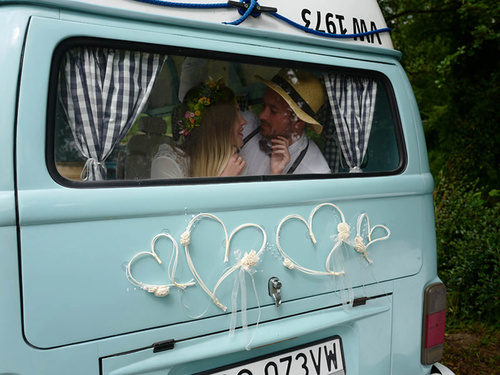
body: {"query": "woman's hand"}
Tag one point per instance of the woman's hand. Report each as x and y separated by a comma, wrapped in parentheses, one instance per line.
(280, 156)
(235, 164)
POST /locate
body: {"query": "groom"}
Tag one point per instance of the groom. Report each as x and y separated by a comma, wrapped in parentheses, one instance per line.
(279, 145)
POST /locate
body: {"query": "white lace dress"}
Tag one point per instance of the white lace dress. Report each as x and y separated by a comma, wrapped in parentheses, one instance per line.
(169, 163)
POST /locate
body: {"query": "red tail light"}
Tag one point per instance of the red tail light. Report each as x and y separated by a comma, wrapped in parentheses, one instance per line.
(433, 323)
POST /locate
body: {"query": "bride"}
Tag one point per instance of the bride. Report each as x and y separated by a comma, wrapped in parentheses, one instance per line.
(211, 128)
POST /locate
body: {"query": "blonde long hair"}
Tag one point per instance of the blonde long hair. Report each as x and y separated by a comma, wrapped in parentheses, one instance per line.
(210, 145)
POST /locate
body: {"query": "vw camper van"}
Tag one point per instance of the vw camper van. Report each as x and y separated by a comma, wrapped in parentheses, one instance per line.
(325, 265)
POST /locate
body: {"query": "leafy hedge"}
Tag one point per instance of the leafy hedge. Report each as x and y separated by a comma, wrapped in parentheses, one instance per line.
(468, 238)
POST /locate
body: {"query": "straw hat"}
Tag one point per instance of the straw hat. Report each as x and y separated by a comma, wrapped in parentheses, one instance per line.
(303, 92)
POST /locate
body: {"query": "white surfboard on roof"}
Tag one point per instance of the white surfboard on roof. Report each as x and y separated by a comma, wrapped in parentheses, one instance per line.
(351, 21)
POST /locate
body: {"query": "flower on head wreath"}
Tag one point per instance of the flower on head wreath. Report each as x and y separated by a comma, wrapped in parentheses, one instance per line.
(205, 95)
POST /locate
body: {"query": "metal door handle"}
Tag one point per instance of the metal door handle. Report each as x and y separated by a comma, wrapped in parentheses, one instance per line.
(274, 288)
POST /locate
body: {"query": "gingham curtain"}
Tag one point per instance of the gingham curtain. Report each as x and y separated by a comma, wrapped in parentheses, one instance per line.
(331, 150)
(352, 101)
(103, 91)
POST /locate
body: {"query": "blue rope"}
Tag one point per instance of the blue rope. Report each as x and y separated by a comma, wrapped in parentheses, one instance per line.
(249, 11)
(184, 5)
(245, 15)
(322, 33)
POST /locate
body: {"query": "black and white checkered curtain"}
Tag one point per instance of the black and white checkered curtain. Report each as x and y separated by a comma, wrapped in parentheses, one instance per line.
(331, 148)
(103, 91)
(352, 101)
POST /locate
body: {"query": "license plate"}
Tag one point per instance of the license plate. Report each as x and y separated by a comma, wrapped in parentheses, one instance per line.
(325, 357)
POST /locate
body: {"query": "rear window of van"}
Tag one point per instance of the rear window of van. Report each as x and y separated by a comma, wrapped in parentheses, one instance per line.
(131, 114)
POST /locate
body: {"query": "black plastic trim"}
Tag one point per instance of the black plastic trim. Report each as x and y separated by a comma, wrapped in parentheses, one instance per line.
(163, 346)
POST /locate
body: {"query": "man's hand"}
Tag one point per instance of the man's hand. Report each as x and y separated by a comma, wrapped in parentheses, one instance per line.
(280, 156)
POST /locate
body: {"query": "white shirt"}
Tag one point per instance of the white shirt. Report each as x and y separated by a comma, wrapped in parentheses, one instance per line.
(258, 162)
(169, 163)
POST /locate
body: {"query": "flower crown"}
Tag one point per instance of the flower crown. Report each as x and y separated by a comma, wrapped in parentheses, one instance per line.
(206, 95)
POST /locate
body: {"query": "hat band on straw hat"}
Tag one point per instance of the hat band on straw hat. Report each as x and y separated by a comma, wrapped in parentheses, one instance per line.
(292, 93)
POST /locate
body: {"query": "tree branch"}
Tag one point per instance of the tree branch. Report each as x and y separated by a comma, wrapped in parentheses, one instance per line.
(408, 12)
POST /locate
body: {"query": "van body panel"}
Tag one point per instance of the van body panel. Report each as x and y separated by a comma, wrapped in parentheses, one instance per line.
(73, 205)
(192, 355)
(16, 355)
(81, 268)
(13, 28)
(66, 246)
(52, 217)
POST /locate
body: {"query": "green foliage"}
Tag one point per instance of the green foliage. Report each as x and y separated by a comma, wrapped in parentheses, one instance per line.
(452, 56)
(468, 232)
(451, 53)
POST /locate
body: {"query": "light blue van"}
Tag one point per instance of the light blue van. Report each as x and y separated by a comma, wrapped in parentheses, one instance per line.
(107, 269)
